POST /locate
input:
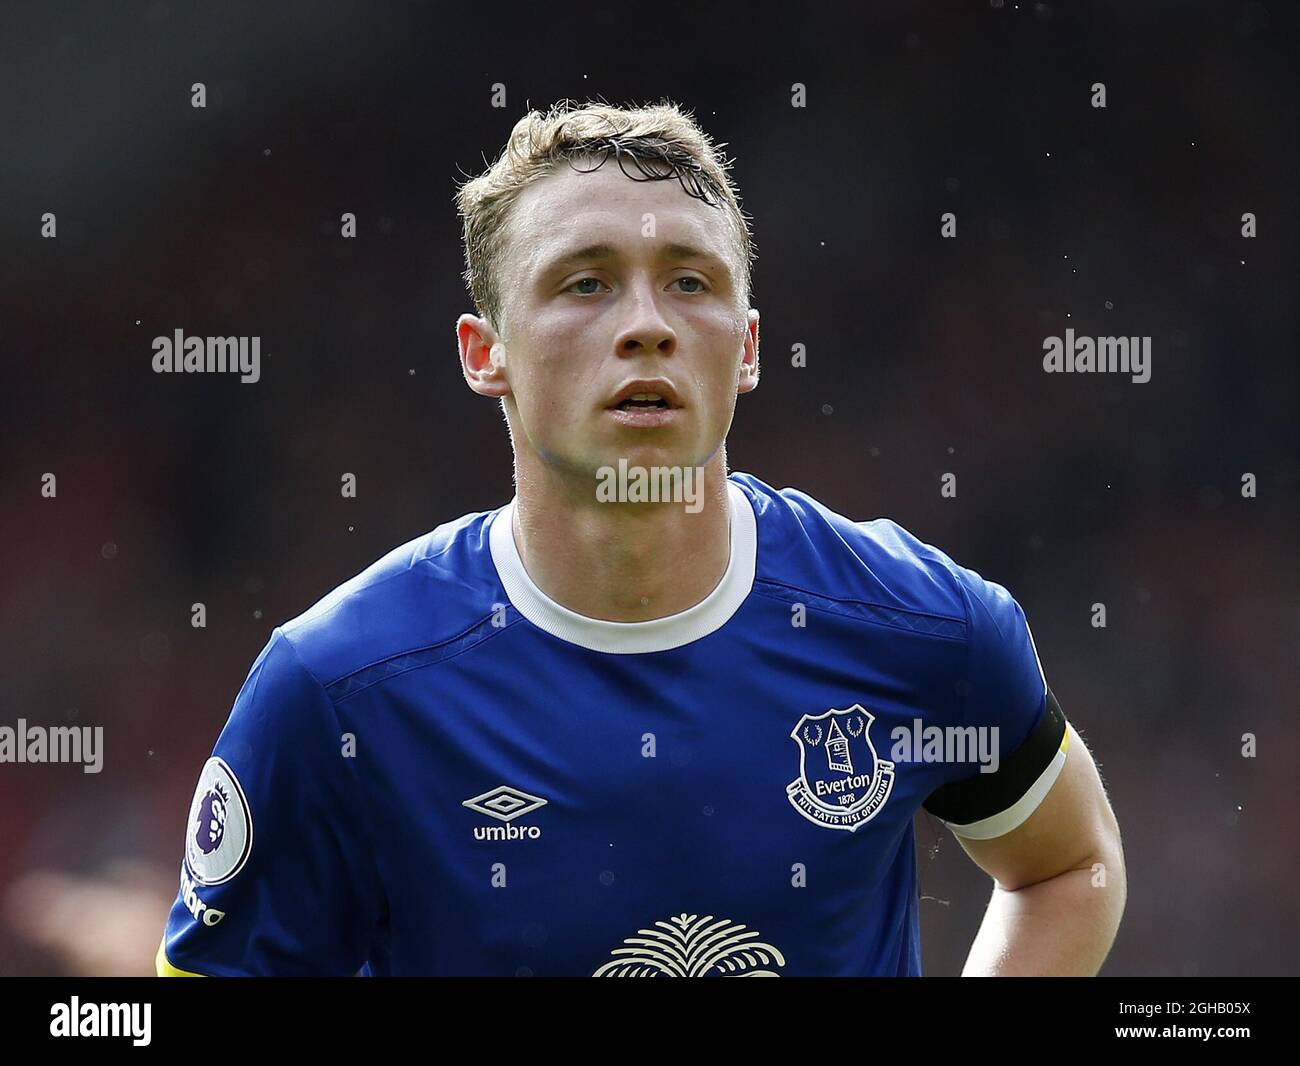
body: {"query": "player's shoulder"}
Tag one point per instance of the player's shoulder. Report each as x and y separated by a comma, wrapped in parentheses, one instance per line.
(806, 544)
(418, 595)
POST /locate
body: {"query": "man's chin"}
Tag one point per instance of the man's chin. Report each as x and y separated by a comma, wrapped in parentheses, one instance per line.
(645, 454)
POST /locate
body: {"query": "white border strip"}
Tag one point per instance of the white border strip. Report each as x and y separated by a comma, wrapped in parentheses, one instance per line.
(625, 638)
(997, 825)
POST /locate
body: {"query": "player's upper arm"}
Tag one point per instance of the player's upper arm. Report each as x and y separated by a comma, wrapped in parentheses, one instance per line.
(277, 876)
(1043, 809)
(1072, 828)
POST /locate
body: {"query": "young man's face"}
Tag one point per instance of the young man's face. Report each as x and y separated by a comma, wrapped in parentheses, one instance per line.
(583, 322)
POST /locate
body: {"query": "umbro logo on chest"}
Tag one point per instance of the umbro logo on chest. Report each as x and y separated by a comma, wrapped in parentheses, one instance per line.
(505, 804)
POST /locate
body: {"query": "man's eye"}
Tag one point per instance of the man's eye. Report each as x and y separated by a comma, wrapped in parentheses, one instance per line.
(573, 286)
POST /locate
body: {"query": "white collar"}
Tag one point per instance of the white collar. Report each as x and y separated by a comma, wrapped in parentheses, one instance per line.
(623, 638)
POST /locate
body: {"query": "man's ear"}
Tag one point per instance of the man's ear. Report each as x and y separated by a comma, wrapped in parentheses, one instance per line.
(747, 375)
(482, 356)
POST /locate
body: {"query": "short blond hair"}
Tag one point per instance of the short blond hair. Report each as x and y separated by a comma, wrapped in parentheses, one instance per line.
(661, 140)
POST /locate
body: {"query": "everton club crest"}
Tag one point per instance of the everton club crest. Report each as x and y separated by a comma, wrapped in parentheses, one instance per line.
(841, 782)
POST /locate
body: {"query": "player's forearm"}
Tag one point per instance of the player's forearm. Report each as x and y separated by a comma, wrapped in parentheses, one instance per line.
(1061, 927)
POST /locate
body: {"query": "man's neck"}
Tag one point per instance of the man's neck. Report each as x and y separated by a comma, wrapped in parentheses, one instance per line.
(623, 562)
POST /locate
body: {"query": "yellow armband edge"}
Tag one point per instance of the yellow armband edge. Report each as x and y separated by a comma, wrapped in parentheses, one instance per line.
(165, 968)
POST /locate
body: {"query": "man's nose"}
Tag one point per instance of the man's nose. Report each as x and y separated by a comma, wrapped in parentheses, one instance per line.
(645, 327)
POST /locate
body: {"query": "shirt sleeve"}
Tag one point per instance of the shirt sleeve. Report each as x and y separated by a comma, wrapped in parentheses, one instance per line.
(1006, 698)
(277, 876)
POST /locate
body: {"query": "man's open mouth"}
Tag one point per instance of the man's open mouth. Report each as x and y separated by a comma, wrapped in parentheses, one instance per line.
(643, 402)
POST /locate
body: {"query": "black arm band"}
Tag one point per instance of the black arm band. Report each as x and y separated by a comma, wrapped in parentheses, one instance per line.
(982, 796)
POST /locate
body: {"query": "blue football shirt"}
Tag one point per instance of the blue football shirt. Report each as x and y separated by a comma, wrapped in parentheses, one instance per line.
(437, 769)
